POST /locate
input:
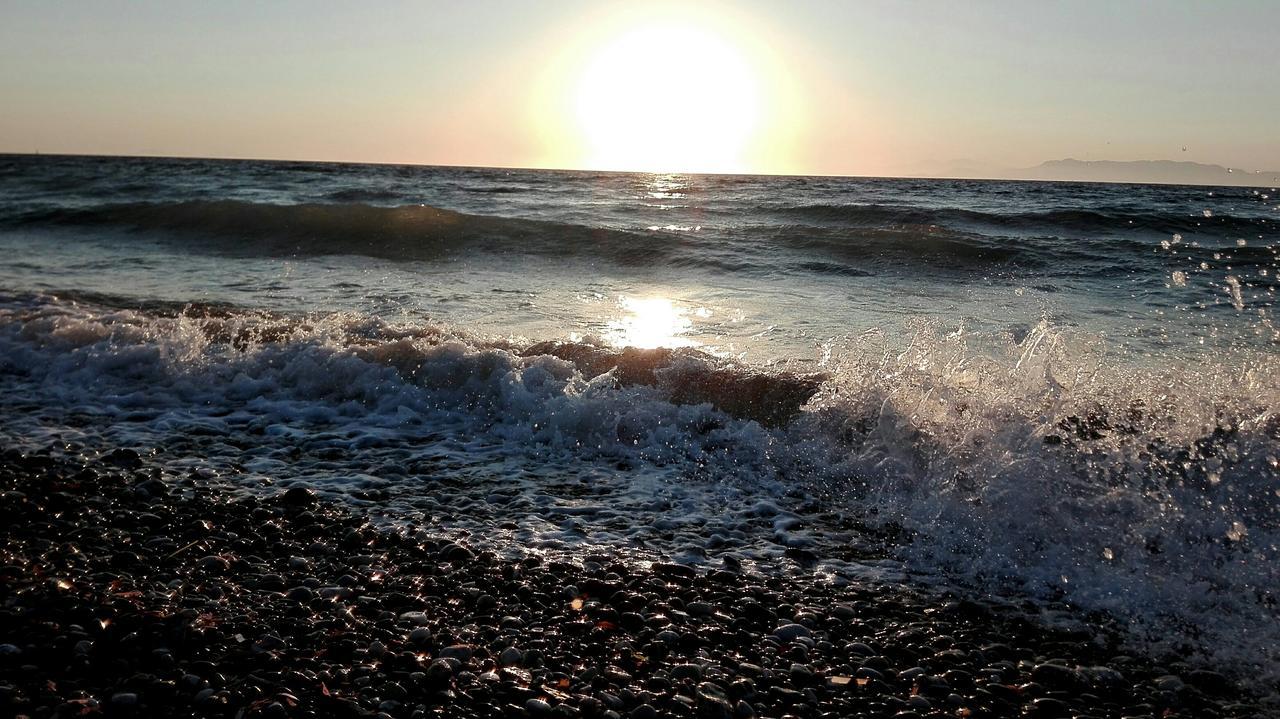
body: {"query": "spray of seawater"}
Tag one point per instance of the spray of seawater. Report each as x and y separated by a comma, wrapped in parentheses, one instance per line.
(1047, 467)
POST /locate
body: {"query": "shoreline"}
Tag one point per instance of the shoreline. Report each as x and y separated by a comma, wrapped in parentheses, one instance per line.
(131, 593)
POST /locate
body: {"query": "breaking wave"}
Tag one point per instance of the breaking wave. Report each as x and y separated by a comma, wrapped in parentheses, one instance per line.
(1041, 468)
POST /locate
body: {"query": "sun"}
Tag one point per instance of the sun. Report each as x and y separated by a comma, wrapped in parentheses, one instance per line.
(665, 88)
(668, 97)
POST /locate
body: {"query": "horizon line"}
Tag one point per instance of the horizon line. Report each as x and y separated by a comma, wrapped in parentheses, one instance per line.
(1274, 175)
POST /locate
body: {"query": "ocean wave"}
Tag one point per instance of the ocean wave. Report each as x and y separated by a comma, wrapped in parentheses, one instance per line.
(831, 268)
(833, 239)
(412, 232)
(850, 250)
(361, 194)
(1052, 221)
(932, 245)
(1042, 468)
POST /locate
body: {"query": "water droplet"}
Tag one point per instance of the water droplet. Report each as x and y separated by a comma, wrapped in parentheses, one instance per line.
(1237, 532)
(1233, 289)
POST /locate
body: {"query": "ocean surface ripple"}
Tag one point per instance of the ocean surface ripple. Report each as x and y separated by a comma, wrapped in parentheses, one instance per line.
(1059, 392)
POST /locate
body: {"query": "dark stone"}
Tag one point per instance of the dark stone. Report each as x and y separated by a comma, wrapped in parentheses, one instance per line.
(124, 700)
(644, 711)
(152, 488)
(1209, 681)
(124, 559)
(1056, 677)
(1049, 708)
(124, 459)
(214, 564)
(298, 497)
(453, 552)
(678, 571)
(791, 632)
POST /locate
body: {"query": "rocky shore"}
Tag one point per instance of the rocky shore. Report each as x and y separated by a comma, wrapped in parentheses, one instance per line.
(124, 592)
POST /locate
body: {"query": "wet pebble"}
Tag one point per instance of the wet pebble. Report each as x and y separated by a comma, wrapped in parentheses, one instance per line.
(298, 497)
(791, 632)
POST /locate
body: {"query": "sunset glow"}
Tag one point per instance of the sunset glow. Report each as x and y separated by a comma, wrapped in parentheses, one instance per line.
(666, 90)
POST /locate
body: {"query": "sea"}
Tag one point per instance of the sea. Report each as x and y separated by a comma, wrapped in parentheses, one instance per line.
(1059, 395)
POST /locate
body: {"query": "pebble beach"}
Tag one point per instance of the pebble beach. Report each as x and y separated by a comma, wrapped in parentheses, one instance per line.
(128, 592)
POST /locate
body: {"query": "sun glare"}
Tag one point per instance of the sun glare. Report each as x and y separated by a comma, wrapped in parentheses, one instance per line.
(668, 97)
(666, 89)
(650, 322)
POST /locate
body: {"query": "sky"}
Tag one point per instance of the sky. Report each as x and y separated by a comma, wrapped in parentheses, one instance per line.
(858, 88)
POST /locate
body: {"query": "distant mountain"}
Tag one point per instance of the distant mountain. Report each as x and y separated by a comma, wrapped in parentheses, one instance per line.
(1154, 171)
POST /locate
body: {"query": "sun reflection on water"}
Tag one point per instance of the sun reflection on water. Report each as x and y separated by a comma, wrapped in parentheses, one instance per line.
(651, 322)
